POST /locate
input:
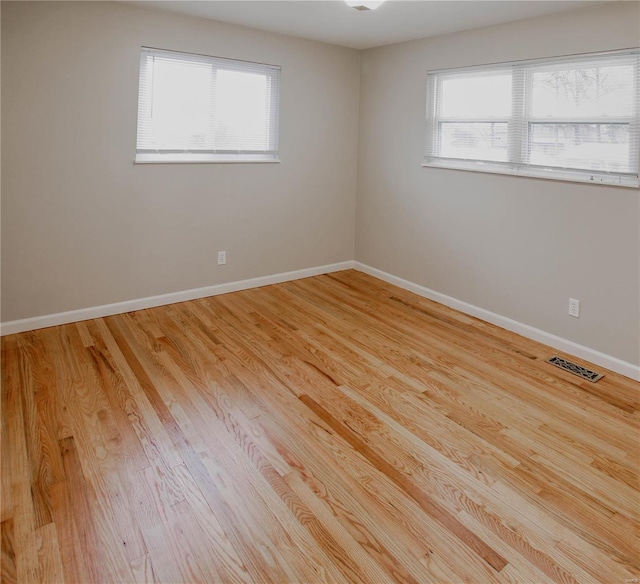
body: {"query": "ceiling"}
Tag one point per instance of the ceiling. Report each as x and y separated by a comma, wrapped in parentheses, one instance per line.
(332, 21)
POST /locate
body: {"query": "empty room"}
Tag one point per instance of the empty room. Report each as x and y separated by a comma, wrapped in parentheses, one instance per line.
(321, 291)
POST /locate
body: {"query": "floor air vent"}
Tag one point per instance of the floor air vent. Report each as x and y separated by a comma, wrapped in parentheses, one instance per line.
(575, 369)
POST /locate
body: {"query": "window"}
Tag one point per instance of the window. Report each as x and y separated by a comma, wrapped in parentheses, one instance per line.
(570, 118)
(193, 108)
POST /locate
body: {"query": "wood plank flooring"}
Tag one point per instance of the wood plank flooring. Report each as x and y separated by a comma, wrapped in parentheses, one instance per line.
(332, 429)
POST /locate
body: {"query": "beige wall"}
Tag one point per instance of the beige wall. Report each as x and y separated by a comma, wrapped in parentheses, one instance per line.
(83, 226)
(516, 246)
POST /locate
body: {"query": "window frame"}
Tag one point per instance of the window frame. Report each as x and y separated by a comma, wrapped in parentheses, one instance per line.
(211, 155)
(520, 122)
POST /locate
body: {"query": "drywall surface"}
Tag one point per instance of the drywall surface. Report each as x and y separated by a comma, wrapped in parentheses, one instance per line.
(516, 246)
(83, 226)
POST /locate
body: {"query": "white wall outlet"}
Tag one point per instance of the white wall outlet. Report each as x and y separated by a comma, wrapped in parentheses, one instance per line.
(574, 307)
(222, 258)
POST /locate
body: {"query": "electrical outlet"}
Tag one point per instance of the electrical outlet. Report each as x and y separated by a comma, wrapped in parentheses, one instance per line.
(222, 258)
(574, 307)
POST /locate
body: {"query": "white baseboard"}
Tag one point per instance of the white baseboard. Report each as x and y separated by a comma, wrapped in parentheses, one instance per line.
(38, 322)
(602, 359)
(613, 363)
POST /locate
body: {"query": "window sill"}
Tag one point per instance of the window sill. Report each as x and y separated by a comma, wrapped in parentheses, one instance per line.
(205, 159)
(630, 181)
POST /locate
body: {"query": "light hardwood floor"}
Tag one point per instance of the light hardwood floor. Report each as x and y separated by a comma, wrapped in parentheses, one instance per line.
(333, 429)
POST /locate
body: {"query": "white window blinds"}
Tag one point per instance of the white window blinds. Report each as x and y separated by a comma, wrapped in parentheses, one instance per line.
(571, 118)
(193, 108)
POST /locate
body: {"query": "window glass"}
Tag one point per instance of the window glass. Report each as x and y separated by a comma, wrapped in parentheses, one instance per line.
(569, 118)
(193, 108)
(582, 92)
(491, 96)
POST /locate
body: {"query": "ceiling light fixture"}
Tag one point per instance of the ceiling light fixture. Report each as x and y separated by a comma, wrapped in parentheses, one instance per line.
(364, 4)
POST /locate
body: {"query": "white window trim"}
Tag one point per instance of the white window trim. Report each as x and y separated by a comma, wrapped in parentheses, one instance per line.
(168, 156)
(164, 157)
(521, 71)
